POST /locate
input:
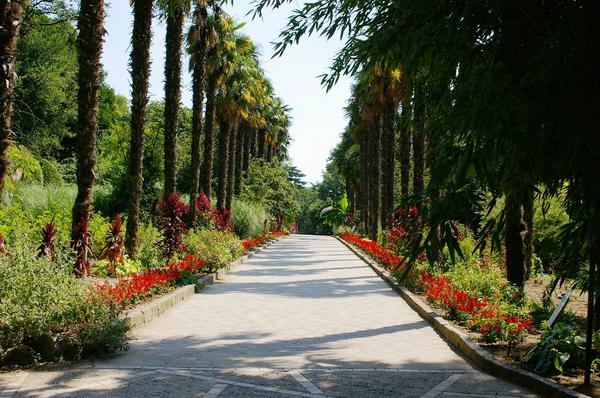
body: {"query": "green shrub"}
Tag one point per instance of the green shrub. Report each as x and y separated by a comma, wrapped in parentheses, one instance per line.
(39, 297)
(475, 274)
(23, 162)
(559, 348)
(148, 251)
(217, 248)
(51, 172)
(546, 233)
(248, 219)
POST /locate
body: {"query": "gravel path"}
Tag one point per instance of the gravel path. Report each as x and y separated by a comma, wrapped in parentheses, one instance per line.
(303, 318)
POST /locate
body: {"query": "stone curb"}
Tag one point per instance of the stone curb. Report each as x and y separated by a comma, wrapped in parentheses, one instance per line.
(465, 344)
(147, 312)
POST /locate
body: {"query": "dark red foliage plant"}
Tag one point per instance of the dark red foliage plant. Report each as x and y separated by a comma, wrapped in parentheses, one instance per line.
(203, 204)
(82, 244)
(223, 219)
(47, 249)
(172, 212)
(113, 248)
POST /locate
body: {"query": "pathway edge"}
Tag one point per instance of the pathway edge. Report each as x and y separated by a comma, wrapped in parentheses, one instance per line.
(465, 344)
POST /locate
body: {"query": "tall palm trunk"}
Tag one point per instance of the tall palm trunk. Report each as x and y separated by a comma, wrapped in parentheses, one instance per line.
(528, 214)
(224, 134)
(209, 136)
(513, 239)
(10, 24)
(240, 151)
(253, 144)
(405, 150)
(197, 44)
(247, 151)
(140, 75)
(375, 180)
(174, 41)
(388, 155)
(262, 144)
(419, 145)
(364, 179)
(89, 51)
(231, 166)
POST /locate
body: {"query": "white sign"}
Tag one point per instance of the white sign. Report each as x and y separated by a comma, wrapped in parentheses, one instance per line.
(559, 308)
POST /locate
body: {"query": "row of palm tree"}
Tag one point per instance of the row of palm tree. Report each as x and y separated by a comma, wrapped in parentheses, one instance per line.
(231, 96)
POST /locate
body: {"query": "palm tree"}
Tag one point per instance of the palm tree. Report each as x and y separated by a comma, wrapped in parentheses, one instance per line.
(140, 75)
(174, 12)
(10, 24)
(392, 91)
(212, 70)
(200, 37)
(405, 148)
(89, 52)
(419, 143)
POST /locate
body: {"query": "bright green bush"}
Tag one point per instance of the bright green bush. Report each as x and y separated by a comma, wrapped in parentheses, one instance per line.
(39, 297)
(51, 172)
(248, 219)
(148, 251)
(23, 161)
(217, 248)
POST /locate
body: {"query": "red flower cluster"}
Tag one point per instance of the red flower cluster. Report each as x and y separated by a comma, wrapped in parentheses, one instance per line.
(250, 243)
(489, 319)
(440, 290)
(383, 256)
(140, 285)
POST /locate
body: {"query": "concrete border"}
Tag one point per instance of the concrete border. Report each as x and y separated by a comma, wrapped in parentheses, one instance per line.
(464, 343)
(145, 313)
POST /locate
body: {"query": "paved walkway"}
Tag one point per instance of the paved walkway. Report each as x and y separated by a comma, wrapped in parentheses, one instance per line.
(304, 318)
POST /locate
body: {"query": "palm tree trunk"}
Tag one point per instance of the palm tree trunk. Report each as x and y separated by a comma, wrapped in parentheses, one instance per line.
(388, 155)
(405, 150)
(224, 134)
(240, 152)
(364, 179)
(253, 144)
(89, 52)
(197, 44)
(262, 144)
(375, 180)
(419, 151)
(174, 41)
(528, 214)
(140, 75)
(231, 166)
(10, 24)
(513, 240)
(247, 152)
(209, 136)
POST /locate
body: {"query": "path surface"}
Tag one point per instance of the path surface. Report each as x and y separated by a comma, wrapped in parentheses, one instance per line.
(304, 318)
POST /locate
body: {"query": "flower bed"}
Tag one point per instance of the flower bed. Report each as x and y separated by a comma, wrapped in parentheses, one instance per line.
(495, 318)
(250, 243)
(375, 250)
(138, 286)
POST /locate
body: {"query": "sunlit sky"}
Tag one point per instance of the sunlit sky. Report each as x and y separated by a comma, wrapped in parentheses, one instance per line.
(318, 116)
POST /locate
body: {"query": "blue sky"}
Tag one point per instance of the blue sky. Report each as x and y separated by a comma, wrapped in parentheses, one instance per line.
(318, 116)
